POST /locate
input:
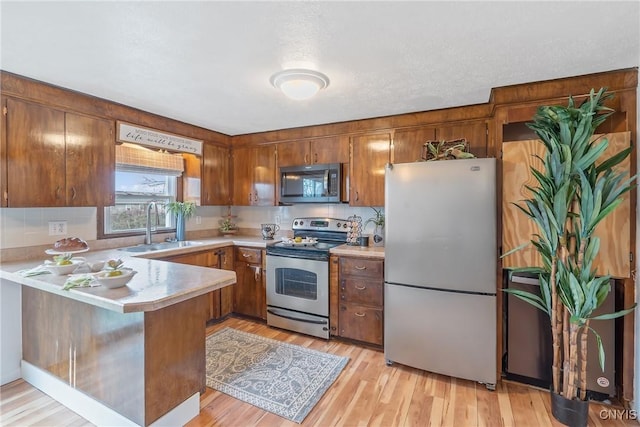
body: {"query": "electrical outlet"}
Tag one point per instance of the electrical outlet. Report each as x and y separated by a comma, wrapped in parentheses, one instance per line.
(198, 219)
(57, 228)
(277, 219)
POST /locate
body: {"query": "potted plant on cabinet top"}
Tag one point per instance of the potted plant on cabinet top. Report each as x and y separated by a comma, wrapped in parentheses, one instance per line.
(573, 194)
(182, 212)
(378, 221)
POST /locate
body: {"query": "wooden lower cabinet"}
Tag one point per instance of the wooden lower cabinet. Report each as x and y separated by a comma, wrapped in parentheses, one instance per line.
(220, 300)
(360, 307)
(249, 296)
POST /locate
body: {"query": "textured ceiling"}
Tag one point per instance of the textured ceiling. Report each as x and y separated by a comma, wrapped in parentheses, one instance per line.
(209, 63)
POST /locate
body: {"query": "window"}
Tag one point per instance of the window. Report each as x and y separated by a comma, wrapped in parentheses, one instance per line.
(134, 192)
(142, 176)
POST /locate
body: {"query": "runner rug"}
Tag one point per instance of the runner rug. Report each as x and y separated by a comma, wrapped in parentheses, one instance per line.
(282, 378)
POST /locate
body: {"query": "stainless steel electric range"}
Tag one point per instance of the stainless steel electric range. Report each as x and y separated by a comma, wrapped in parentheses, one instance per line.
(298, 276)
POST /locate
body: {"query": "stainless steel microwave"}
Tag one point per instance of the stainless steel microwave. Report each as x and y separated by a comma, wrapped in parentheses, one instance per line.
(321, 183)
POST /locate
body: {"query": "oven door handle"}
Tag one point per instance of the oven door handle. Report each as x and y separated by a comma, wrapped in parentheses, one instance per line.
(317, 322)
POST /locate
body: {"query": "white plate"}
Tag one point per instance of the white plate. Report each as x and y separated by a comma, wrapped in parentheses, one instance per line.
(54, 252)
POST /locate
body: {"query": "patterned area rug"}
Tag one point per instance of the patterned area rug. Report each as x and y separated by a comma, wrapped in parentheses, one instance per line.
(282, 378)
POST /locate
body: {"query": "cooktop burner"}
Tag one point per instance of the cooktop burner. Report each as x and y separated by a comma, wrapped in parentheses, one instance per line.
(329, 232)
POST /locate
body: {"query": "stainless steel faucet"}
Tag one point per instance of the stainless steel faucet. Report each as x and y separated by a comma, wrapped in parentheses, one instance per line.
(147, 237)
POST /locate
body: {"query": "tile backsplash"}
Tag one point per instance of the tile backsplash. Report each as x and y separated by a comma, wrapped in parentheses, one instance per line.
(23, 227)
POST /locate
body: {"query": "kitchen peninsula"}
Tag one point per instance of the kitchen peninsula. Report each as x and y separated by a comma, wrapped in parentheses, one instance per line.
(134, 355)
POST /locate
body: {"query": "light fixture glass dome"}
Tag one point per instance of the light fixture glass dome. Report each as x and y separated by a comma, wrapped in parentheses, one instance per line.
(299, 83)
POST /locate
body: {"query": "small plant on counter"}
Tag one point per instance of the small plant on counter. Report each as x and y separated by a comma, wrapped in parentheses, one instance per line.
(186, 209)
(226, 225)
(377, 219)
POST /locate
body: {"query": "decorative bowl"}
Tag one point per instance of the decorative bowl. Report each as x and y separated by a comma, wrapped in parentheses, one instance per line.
(61, 270)
(112, 282)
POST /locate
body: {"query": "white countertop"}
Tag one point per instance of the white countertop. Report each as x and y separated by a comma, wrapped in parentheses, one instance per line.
(156, 285)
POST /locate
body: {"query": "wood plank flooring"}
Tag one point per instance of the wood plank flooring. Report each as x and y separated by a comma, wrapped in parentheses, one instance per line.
(367, 393)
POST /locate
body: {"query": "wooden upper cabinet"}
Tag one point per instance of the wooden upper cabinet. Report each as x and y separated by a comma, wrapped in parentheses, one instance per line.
(216, 175)
(333, 149)
(408, 143)
(64, 159)
(475, 133)
(614, 231)
(35, 155)
(369, 157)
(254, 175)
(90, 161)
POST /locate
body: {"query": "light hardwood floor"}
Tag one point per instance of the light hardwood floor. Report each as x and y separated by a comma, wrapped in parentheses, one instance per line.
(367, 393)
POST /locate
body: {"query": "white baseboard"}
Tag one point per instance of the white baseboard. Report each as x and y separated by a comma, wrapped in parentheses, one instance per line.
(94, 411)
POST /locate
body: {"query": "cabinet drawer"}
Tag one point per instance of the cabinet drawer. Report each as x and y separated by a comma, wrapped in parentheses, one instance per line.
(249, 255)
(361, 323)
(361, 290)
(362, 267)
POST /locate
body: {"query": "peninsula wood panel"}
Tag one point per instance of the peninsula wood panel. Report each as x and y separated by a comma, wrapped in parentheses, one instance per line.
(613, 231)
(334, 295)
(3, 152)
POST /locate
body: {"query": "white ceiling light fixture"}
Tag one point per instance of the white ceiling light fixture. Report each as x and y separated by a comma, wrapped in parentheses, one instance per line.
(299, 83)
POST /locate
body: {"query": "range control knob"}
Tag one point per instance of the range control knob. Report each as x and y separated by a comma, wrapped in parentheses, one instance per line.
(344, 225)
(338, 225)
(295, 222)
(301, 222)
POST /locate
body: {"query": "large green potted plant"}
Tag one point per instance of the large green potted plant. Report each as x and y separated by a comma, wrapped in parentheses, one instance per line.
(576, 189)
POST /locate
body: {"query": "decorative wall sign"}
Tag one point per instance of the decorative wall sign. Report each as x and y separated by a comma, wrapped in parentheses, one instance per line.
(153, 138)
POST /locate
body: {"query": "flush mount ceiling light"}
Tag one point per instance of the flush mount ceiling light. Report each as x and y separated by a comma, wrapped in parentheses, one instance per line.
(299, 83)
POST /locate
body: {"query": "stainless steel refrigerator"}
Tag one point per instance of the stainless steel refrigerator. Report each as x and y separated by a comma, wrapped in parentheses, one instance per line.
(441, 266)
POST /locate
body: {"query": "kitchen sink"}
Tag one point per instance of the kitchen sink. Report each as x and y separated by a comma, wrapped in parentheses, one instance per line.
(160, 246)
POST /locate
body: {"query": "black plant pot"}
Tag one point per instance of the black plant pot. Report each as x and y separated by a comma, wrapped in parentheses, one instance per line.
(572, 413)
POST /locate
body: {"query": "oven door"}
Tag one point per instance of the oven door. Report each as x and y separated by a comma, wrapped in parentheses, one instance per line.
(298, 284)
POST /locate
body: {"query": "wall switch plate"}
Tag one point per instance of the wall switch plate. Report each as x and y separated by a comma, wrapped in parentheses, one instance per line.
(198, 219)
(278, 219)
(57, 228)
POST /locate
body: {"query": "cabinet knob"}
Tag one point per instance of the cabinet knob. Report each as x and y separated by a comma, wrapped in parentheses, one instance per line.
(315, 157)
(73, 193)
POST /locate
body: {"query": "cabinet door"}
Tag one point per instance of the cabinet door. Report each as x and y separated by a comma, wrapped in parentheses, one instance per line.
(243, 165)
(333, 149)
(362, 323)
(90, 161)
(614, 231)
(408, 144)
(247, 290)
(369, 156)
(35, 155)
(293, 153)
(225, 256)
(264, 176)
(475, 134)
(215, 176)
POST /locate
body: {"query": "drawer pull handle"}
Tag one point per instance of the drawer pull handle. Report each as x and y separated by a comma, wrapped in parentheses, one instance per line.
(359, 314)
(360, 268)
(361, 288)
(246, 255)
